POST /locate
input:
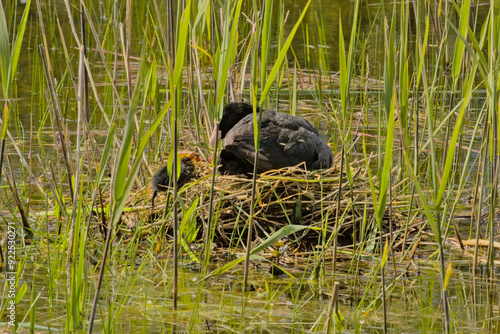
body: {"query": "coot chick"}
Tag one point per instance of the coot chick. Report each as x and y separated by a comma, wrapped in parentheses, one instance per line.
(161, 180)
(285, 140)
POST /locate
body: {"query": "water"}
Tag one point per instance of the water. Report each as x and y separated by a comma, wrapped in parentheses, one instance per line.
(287, 304)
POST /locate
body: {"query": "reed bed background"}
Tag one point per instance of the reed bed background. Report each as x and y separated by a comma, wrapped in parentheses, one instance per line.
(96, 94)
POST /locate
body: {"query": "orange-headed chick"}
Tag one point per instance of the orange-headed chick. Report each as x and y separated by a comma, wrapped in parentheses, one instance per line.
(161, 180)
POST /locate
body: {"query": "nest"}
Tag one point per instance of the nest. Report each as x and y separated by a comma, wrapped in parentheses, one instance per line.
(324, 200)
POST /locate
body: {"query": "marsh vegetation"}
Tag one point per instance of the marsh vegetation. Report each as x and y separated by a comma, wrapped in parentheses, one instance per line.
(400, 234)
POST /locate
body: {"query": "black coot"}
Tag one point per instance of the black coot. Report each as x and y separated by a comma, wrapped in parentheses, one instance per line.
(161, 180)
(285, 140)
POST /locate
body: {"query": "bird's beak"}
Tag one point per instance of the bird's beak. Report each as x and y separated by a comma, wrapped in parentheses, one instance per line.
(215, 136)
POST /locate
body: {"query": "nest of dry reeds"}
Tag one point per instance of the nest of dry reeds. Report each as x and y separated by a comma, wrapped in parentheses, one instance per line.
(325, 200)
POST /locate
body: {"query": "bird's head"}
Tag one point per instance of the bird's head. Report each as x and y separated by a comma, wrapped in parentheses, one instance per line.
(233, 112)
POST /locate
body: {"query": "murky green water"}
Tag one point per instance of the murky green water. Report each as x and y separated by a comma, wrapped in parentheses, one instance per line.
(283, 304)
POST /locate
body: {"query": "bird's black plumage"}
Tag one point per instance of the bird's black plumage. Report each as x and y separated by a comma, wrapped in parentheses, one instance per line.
(161, 180)
(285, 140)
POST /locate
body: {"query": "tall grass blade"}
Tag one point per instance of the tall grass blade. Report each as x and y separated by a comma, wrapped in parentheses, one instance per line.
(344, 74)
(227, 51)
(450, 155)
(8, 68)
(123, 181)
(4, 53)
(265, 40)
(460, 45)
(10, 58)
(281, 56)
(276, 236)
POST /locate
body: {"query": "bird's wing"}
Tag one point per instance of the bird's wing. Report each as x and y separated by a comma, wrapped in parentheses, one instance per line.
(285, 141)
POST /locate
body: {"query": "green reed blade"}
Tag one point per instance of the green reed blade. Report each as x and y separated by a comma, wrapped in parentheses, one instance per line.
(344, 75)
(265, 40)
(459, 45)
(422, 51)
(281, 56)
(457, 131)
(276, 236)
(181, 45)
(227, 53)
(4, 52)
(10, 58)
